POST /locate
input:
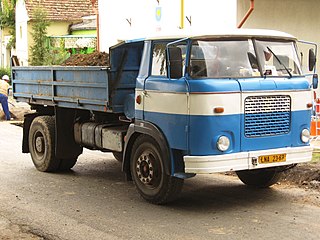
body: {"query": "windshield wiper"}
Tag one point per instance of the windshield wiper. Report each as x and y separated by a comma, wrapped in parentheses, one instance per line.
(288, 71)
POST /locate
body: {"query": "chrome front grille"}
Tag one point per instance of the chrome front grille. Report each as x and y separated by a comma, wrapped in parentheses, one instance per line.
(267, 115)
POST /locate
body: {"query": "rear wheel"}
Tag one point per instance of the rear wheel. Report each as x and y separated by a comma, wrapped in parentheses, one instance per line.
(42, 144)
(261, 178)
(147, 170)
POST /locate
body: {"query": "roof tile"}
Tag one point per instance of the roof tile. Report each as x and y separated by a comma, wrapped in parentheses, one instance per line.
(62, 10)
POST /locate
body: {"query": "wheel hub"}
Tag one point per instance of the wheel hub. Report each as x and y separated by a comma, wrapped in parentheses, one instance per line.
(145, 169)
(40, 144)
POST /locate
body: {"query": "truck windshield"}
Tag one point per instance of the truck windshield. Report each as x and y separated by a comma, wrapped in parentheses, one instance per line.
(243, 58)
(278, 58)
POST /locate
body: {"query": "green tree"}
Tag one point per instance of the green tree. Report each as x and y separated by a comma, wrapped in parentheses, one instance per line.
(57, 55)
(39, 49)
(7, 19)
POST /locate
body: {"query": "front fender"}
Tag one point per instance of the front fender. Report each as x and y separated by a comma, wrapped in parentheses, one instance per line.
(142, 127)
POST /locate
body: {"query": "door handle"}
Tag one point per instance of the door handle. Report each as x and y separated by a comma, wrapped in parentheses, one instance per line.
(144, 93)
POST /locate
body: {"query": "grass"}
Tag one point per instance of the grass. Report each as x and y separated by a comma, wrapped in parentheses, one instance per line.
(315, 157)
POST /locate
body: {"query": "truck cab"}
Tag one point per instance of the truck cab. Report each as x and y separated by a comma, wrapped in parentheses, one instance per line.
(227, 102)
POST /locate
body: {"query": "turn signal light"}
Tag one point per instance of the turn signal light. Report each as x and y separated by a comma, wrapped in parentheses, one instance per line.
(218, 110)
(309, 105)
(138, 99)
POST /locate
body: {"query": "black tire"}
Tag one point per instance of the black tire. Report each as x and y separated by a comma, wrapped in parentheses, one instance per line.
(67, 164)
(261, 178)
(147, 170)
(118, 156)
(42, 144)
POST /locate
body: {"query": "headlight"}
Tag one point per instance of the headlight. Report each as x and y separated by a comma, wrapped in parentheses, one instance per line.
(223, 143)
(305, 135)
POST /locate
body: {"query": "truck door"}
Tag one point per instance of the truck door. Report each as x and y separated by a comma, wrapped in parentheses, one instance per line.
(165, 99)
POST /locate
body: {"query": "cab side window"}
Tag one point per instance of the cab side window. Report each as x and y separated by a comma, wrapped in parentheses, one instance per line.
(159, 60)
(159, 57)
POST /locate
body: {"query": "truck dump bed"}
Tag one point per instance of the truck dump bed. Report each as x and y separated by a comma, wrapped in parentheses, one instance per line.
(72, 87)
(95, 88)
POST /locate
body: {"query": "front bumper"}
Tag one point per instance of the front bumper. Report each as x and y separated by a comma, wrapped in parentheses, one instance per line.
(245, 160)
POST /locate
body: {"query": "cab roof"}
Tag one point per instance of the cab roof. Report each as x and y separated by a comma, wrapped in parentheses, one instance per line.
(233, 33)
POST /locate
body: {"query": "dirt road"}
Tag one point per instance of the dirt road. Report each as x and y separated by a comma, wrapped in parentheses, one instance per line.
(94, 202)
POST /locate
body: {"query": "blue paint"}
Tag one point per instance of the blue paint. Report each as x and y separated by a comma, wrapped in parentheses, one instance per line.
(173, 126)
(270, 123)
(214, 85)
(63, 86)
(205, 130)
(272, 84)
(299, 121)
(163, 84)
(138, 114)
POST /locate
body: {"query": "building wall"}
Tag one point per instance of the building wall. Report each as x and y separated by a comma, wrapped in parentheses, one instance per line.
(297, 17)
(23, 32)
(147, 17)
(5, 53)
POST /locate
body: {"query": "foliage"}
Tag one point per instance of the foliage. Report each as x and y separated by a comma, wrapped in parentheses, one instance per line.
(7, 19)
(5, 71)
(39, 49)
(57, 55)
(7, 14)
(315, 157)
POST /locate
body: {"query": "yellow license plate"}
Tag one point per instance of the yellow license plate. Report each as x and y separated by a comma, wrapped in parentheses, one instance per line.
(272, 158)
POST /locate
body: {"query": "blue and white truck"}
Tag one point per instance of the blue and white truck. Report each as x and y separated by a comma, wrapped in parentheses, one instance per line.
(172, 107)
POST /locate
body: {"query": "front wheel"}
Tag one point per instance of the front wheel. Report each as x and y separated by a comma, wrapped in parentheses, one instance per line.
(261, 178)
(67, 164)
(118, 156)
(147, 170)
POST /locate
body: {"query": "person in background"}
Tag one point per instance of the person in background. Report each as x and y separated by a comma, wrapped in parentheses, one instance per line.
(4, 86)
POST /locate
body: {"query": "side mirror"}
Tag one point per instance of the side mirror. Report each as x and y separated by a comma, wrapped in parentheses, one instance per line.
(315, 81)
(175, 62)
(312, 59)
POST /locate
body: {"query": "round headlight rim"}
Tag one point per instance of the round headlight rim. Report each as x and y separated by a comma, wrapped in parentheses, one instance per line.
(305, 135)
(223, 143)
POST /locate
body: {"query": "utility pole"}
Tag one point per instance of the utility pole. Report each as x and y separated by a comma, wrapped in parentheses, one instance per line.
(182, 14)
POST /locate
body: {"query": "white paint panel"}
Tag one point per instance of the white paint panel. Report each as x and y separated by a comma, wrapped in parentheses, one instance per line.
(301, 99)
(243, 160)
(204, 103)
(171, 103)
